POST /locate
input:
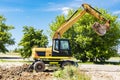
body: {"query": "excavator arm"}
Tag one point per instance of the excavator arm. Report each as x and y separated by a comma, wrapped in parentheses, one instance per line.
(98, 28)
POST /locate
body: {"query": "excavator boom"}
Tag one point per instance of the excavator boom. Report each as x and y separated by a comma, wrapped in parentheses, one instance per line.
(99, 29)
(67, 25)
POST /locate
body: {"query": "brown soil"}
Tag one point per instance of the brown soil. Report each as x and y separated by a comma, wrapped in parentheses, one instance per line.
(21, 73)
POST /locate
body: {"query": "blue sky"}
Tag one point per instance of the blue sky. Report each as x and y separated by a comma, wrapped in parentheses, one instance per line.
(40, 13)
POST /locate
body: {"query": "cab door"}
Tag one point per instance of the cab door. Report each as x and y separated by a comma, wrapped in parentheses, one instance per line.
(61, 47)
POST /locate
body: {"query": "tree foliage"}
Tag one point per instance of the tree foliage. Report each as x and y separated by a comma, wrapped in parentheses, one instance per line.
(85, 43)
(5, 35)
(31, 38)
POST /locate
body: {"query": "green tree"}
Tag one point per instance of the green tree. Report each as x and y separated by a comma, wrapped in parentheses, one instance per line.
(85, 43)
(31, 38)
(5, 35)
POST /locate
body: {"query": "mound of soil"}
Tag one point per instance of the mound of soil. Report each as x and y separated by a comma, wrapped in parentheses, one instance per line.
(21, 73)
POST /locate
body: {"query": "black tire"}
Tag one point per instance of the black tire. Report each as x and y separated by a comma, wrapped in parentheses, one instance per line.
(66, 63)
(30, 68)
(75, 64)
(39, 66)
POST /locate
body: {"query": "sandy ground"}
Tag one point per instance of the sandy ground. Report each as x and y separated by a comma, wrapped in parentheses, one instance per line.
(102, 72)
(17, 70)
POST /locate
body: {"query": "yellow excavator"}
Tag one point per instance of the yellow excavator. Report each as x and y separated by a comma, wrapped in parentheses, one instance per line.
(60, 52)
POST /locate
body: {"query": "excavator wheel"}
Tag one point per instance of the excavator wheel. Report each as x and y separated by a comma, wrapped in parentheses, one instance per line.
(66, 63)
(39, 66)
(30, 68)
(76, 64)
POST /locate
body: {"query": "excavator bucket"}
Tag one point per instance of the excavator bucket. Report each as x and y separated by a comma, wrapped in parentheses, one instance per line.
(101, 29)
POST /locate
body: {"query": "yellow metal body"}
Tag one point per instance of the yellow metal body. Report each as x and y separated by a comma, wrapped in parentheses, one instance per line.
(48, 55)
(48, 52)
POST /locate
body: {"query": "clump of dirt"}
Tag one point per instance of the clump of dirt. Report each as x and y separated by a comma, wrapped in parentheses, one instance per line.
(21, 73)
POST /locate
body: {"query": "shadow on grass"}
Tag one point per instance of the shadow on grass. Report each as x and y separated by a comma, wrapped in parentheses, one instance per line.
(47, 70)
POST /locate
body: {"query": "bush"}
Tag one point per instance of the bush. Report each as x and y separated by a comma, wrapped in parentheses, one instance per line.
(70, 73)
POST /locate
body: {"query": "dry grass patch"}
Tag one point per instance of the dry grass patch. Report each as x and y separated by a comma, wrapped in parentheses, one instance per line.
(71, 73)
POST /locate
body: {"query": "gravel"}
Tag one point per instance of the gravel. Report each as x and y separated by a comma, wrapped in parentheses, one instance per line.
(102, 72)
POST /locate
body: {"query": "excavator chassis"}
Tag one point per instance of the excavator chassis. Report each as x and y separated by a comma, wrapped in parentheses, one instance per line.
(39, 65)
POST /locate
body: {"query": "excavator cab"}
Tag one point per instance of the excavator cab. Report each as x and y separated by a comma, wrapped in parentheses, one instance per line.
(61, 47)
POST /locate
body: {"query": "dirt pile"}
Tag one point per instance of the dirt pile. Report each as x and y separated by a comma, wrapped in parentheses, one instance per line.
(21, 73)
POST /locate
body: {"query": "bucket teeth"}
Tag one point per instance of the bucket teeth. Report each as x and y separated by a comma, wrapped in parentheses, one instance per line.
(100, 29)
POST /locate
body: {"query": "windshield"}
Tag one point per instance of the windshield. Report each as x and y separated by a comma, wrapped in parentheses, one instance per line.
(64, 45)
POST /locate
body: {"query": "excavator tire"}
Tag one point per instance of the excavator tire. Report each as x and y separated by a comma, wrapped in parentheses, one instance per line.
(39, 66)
(30, 68)
(66, 63)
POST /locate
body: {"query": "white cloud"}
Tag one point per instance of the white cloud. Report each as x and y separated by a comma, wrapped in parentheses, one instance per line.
(50, 9)
(65, 10)
(118, 19)
(10, 10)
(51, 3)
(116, 12)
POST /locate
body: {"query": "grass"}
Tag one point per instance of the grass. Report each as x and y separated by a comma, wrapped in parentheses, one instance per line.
(70, 73)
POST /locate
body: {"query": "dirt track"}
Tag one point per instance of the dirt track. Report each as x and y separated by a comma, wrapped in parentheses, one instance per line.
(102, 72)
(18, 71)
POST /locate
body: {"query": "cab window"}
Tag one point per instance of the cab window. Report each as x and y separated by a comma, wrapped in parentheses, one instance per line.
(64, 45)
(56, 45)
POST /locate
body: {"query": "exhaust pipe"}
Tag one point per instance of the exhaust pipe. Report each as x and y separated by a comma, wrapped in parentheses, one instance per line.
(101, 29)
